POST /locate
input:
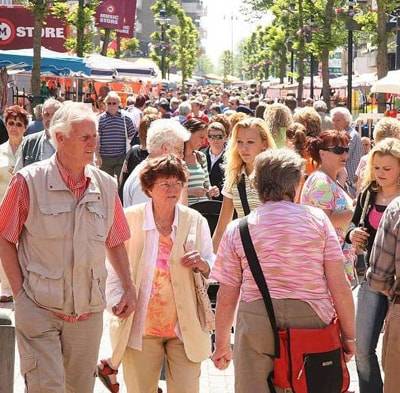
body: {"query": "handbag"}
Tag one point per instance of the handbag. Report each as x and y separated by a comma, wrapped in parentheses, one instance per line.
(204, 309)
(241, 186)
(127, 141)
(306, 360)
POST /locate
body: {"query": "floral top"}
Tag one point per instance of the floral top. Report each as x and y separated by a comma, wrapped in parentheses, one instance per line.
(161, 311)
(321, 191)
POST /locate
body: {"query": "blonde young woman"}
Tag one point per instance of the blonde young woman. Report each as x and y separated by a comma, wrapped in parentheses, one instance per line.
(380, 186)
(249, 138)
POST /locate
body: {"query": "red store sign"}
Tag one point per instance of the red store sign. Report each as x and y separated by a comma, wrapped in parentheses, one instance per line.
(17, 25)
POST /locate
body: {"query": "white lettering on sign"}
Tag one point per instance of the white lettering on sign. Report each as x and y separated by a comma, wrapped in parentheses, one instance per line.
(47, 32)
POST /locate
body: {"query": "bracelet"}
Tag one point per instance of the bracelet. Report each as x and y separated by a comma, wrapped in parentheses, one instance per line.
(350, 340)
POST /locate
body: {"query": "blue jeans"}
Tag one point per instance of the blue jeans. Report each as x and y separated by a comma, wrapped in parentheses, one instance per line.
(371, 312)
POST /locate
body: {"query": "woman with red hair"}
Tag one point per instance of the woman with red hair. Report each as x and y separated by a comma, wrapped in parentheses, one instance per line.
(330, 151)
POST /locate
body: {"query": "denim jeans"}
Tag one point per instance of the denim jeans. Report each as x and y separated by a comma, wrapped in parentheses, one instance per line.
(371, 312)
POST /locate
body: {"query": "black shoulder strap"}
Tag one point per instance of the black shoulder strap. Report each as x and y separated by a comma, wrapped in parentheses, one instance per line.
(259, 278)
(241, 186)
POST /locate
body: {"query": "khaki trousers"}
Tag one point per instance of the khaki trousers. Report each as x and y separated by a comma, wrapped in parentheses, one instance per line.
(391, 350)
(142, 368)
(254, 341)
(56, 356)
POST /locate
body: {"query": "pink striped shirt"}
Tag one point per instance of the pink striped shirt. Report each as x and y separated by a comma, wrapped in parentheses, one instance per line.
(293, 243)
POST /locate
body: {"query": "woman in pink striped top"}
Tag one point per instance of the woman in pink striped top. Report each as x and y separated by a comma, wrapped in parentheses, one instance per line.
(302, 261)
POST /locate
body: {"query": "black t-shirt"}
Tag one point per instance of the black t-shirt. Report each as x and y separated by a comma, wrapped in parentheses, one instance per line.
(133, 158)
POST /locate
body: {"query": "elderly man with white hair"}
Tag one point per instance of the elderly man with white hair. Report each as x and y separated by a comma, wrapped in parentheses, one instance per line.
(165, 136)
(38, 146)
(58, 220)
(342, 120)
(116, 128)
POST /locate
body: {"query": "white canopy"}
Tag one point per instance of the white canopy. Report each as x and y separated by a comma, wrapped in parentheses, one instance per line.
(389, 84)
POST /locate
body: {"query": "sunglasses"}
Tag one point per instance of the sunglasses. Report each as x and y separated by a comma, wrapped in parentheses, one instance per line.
(112, 103)
(337, 149)
(13, 123)
(216, 137)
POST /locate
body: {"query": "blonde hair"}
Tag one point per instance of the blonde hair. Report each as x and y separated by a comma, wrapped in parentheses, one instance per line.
(387, 147)
(234, 163)
(310, 119)
(386, 127)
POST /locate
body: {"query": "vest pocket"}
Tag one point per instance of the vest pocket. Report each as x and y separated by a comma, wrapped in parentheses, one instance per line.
(97, 220)
(47, 286)
(97, 290)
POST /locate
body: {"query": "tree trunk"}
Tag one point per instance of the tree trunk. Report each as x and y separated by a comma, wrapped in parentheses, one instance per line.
(39, 15)
(80, 29)
(382, 54)
(326, 90)
(282, 67)
(327, 29)
(300, 56)
(106, 41)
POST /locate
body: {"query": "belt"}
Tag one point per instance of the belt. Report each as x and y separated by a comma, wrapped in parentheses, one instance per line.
(73, 318)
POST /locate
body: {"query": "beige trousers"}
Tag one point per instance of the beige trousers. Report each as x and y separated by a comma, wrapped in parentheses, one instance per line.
(254, 341)
(56, 356)
(142, 368)
(391, 350)
(5, 289)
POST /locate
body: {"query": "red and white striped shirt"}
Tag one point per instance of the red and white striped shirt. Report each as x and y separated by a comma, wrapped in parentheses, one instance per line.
(14, 208)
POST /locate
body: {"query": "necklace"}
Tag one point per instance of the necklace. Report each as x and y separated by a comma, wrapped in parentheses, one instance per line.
(163, 228)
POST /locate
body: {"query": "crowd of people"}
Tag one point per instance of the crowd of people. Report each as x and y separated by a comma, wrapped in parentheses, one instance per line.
(102, 209)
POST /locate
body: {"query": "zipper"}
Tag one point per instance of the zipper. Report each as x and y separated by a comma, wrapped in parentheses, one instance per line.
(302, 367)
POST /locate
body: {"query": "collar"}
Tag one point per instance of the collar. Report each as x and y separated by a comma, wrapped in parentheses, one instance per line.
(118, 114)
(149, 223)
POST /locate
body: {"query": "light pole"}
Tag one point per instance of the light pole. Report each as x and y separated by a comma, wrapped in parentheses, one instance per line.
(163, 21)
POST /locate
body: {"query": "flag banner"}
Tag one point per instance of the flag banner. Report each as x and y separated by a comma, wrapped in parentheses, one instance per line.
(17, 25)
(128, 25)
(110, 14)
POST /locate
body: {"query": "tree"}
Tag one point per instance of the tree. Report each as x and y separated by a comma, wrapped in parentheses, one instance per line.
(181, 48)
(40, 10)
(204, 65)
(226, 64)
(81, 17)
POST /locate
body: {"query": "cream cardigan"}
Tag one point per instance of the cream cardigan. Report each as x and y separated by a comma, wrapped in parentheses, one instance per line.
(196, 341)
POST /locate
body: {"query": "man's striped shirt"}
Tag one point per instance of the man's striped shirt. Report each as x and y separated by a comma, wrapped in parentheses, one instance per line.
(112, 134)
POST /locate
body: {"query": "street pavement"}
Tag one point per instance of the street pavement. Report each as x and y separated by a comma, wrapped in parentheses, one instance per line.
(211, 381)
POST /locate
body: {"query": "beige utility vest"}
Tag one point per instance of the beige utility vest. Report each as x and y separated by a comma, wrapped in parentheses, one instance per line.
(196, 341)
(61, 250)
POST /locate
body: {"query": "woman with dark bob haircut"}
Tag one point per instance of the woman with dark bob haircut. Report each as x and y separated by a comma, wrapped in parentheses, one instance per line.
(163, 256)
(302, 260)
(16, 121)
(330, 151)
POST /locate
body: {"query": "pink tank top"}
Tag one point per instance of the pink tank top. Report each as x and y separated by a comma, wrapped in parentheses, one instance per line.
(374, 217)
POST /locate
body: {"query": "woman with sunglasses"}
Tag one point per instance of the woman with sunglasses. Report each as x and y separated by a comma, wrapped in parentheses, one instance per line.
(16, 121)
(216, 136)
(330, 151)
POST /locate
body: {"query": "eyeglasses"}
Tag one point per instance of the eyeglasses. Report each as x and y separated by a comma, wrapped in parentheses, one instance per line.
(165, 185)
(13, 123)
(337, 149)
(217, 137)
(112, 103)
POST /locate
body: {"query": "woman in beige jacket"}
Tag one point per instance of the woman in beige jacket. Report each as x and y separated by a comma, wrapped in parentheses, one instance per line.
(169, 241)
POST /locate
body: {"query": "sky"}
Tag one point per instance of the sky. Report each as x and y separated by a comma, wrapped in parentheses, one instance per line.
(226, 27)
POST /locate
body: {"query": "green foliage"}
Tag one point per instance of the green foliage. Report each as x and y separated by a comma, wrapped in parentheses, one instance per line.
(226, 63)
(204, 65)
(181, 37)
